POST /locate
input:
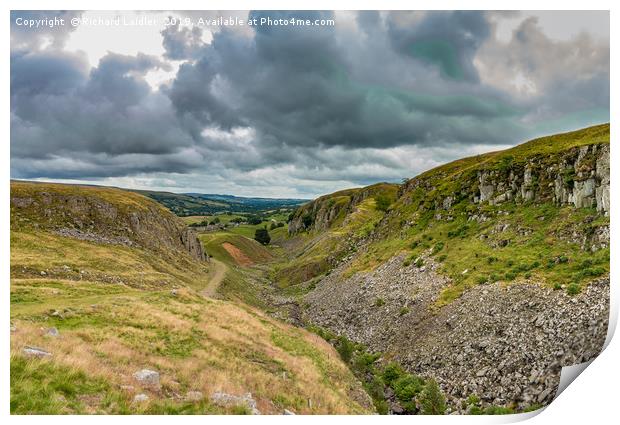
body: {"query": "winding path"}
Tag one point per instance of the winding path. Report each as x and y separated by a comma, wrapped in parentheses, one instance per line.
(216, 278)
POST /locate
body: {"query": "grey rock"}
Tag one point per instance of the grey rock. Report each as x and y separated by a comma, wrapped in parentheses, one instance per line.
(147, 377)
(140, 398)
(36, 352)
(194, 396)
(229, 400)
(53, 332)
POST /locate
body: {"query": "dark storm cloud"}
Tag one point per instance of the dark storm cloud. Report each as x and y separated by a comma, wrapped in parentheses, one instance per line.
(67, 119)
(446, 40)
(376, 97)
(295, 86)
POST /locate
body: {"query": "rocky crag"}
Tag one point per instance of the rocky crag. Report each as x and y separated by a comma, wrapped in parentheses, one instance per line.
(101, 215)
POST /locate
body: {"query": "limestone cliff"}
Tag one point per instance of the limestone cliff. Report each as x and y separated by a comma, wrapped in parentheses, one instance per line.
(104, 215)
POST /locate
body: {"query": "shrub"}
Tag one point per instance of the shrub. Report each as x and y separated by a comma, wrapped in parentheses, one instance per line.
(573, 289)
(262, 236)
(498, 410)
(432, 400)
(438, 247)
(382, 406)
(255, 220)
(591, 272)
(391, 373)
(419, 262)
(375, 390)
(473, 399)
(345, 348)
(379, 302)
(442, 258)
(273, 226)
(510, 276)
(459, 232)
(557, 286)
(363, 363)
(382, 202)
(403, 311)
(407, 387)
(505, 163)
(307, 221)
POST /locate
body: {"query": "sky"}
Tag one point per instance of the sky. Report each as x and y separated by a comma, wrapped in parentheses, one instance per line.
(171, 101)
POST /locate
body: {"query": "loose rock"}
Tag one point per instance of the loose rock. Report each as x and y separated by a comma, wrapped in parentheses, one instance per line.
(36, 352)
(140, 398)
(228, 400)
(147, 377)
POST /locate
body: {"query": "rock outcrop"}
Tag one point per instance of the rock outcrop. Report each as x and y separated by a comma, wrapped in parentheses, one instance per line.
(321, 213)
(578, 176)
(102, 215)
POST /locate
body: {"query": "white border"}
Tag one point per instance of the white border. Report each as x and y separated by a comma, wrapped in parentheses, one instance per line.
(590, 399)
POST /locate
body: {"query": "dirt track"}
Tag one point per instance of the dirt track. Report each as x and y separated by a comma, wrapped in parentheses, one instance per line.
(217, 275)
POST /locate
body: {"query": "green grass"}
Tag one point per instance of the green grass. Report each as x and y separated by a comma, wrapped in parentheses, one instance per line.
(42, 386)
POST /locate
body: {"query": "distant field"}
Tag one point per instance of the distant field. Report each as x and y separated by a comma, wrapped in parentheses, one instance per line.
(198, 204)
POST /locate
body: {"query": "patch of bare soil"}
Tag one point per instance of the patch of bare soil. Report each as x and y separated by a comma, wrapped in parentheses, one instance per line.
(239, 257)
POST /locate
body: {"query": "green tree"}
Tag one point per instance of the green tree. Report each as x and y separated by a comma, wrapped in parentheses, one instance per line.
(345, 348)
(262, 236)
(254, 220)
(307, 220)
(432, 400)
(382, 202)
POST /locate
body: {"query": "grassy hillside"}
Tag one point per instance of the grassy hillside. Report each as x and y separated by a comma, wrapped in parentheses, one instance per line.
(326, 229)
(442, 216)
(121, 308)
(487, 242)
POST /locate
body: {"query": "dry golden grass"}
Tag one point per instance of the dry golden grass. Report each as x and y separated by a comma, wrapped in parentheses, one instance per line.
(110, 330)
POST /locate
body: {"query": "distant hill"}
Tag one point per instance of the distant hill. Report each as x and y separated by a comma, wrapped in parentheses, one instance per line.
(187, 204)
